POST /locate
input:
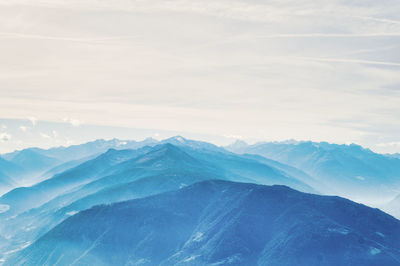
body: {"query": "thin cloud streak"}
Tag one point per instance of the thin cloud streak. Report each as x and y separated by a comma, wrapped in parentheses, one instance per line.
(328, 35)
(389, 21)
(353, 61)
(9, 35)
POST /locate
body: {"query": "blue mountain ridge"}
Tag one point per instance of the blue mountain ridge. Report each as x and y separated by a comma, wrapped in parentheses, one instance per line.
(347, 170)
(222, 223)
(28, 213)
(121, 175)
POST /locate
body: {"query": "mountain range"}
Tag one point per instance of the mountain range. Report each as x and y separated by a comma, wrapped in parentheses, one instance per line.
(346, 170)
(65, 182)
(118, 175)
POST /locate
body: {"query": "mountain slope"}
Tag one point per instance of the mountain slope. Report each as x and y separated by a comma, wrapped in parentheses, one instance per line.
(219, 222)
(6, 183)
(24, 198)
(393, 207)
(10, 174)
(34, 161)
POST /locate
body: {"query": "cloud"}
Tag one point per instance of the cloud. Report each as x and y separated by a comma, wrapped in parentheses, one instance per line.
(69, 142)
(33, 120)
(23, 128)
(389, 144)
(4, 137)
(329, 35)
(11, 35)
(45, 136)
(250, 68)
(73, 122)
(234, 136)
(383, 20)
(356, 61)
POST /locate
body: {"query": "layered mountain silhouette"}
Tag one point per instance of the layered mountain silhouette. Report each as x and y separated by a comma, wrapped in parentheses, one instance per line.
(119, 175)
(76, 152)
(222, 223)
(39, 164)
(347, 170)
(102, 173)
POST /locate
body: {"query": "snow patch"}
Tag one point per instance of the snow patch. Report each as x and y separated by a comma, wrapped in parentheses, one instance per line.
(141, 262)
(374, 251)
(71, 213)
(27, 229)
(198, 237)
(4, 208)
(342, 231)
(230, 260)
(122, 143)
(26, 244)
(191, 258)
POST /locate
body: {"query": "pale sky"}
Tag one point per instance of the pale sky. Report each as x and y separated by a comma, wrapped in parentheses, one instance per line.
(222, 69)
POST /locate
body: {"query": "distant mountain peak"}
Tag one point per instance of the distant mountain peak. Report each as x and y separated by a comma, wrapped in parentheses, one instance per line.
(166, 151)
(238, 144)
(179, 139)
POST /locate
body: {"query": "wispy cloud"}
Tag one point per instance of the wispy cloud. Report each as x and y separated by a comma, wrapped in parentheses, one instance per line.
(352, 61)
(45, 136)
(329, 35)
(232, 136)
(73, 122)
(4, 137)
(33, 120)
(277, 69)
(23, 128)
(11, 35)
(389, 144)
(383, 20)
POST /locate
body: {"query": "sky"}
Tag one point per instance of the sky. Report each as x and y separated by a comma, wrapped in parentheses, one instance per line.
(214, 70)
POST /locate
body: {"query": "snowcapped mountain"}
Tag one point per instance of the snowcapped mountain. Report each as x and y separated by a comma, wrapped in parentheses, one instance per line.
(222, 223)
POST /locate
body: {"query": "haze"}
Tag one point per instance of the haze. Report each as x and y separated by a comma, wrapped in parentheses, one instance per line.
(215, 70)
